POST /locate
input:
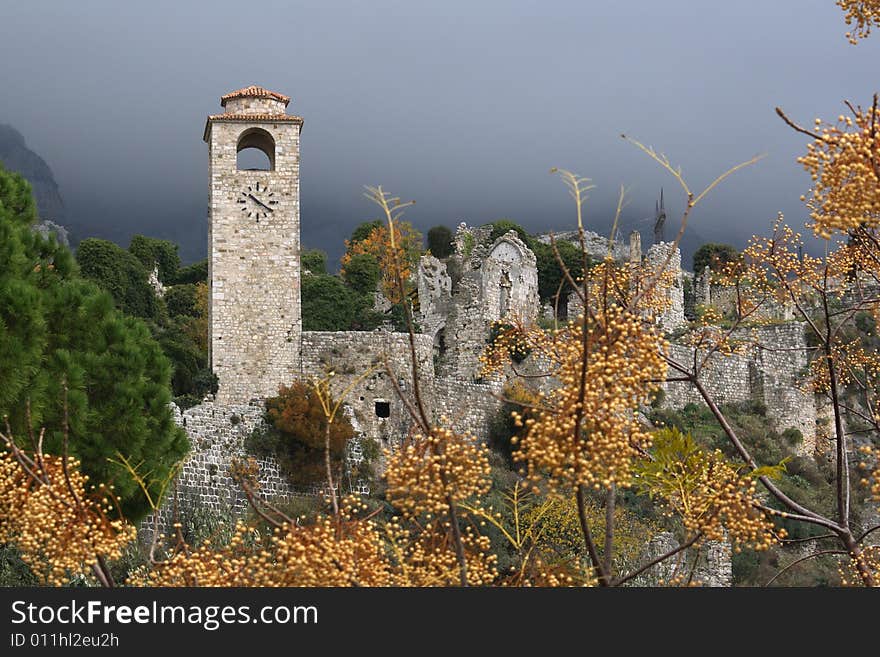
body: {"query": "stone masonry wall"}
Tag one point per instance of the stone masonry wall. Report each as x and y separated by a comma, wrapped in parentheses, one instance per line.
(770, 373)
(251, 105)
(510, 281)
(466, 407)
(435, 294)
(673, 315)
(254, 268)
(596, 244)
(216, 434)
(350, 354)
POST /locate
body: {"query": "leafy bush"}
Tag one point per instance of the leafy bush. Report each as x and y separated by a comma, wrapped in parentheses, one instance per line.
(715, 256)
(805, 479)
(120, 273)
(503, 432)
(152, 252)
(328, 304)
(180, 300)
(314, 260)
(362, 273)
(550, 273)
(440, 241)
(295, 434)
(502, 226)
(363, 230)
(517, 348)
(194, 273)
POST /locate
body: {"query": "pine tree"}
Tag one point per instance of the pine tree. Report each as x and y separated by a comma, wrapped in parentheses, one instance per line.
(58, 330)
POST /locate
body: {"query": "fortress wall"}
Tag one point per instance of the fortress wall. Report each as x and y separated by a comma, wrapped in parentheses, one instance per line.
(358, 360)
(466, 407)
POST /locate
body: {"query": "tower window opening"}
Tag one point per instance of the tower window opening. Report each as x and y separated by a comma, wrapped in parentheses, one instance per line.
(256, 151)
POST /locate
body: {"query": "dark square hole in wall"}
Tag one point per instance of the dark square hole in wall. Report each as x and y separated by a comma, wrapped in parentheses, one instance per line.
(383, 409)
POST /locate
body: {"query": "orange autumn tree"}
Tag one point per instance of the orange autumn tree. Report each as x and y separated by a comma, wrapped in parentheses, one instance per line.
(402, 251)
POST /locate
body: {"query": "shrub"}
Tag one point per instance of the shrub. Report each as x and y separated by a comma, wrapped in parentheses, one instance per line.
(440, 241)
(362, 273)
(295, 435)
(503, 432)
(328, 304)
(517, 348)
(180, 300)
(194, 273)
(120, 273)
(314, 260)
(154, 252)
(363, 230)
(715, 256)
(502, 226)
(550, 273)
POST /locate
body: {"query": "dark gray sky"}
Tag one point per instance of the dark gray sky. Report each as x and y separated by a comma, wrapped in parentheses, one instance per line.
(463, 106)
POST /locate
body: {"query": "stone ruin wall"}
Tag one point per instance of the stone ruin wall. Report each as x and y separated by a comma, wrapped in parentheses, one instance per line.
(673, 315)
(482, 283)
(596, 244)
(509, 257)
(216, 433)
(349, 354)
(771, 374)
(435, 294)
(467, 407)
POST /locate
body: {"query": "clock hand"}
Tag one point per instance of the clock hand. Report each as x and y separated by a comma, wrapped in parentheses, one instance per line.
(261, 203)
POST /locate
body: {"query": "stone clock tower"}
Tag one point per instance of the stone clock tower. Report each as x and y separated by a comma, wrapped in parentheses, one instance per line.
(255, 323)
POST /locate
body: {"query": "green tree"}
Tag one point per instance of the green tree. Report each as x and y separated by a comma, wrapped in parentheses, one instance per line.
(314, 260)
(440, 241)
(57, 330)
(328, 304)
(363, 230)
(121, 274)
(362, 273)
(152, 252)
(714, 255)
(180, 300)
(194, 273)
(550, 273)
(501, 226)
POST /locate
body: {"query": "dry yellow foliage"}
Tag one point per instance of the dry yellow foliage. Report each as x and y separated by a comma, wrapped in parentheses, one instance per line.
(429, 473)
(843, 161)
(864, 14)
(59, 522)
(585, 431)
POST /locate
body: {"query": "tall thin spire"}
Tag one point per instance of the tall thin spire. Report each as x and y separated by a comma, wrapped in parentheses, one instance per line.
(659, 220)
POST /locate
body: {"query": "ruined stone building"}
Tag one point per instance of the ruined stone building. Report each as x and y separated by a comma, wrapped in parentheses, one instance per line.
(255, 323)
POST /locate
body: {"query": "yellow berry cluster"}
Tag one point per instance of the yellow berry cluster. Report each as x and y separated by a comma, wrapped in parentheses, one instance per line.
(429, 473)
(864, 13)
(585, 431)
(844, 164)
(57, 520)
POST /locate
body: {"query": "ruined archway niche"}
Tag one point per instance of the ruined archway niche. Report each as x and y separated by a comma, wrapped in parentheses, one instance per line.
(255, 151)
(510, 281)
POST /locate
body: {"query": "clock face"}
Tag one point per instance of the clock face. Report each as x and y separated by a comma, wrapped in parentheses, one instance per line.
(257, 201)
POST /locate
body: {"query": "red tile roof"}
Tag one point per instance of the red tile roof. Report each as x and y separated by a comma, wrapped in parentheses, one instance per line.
(255, 91)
